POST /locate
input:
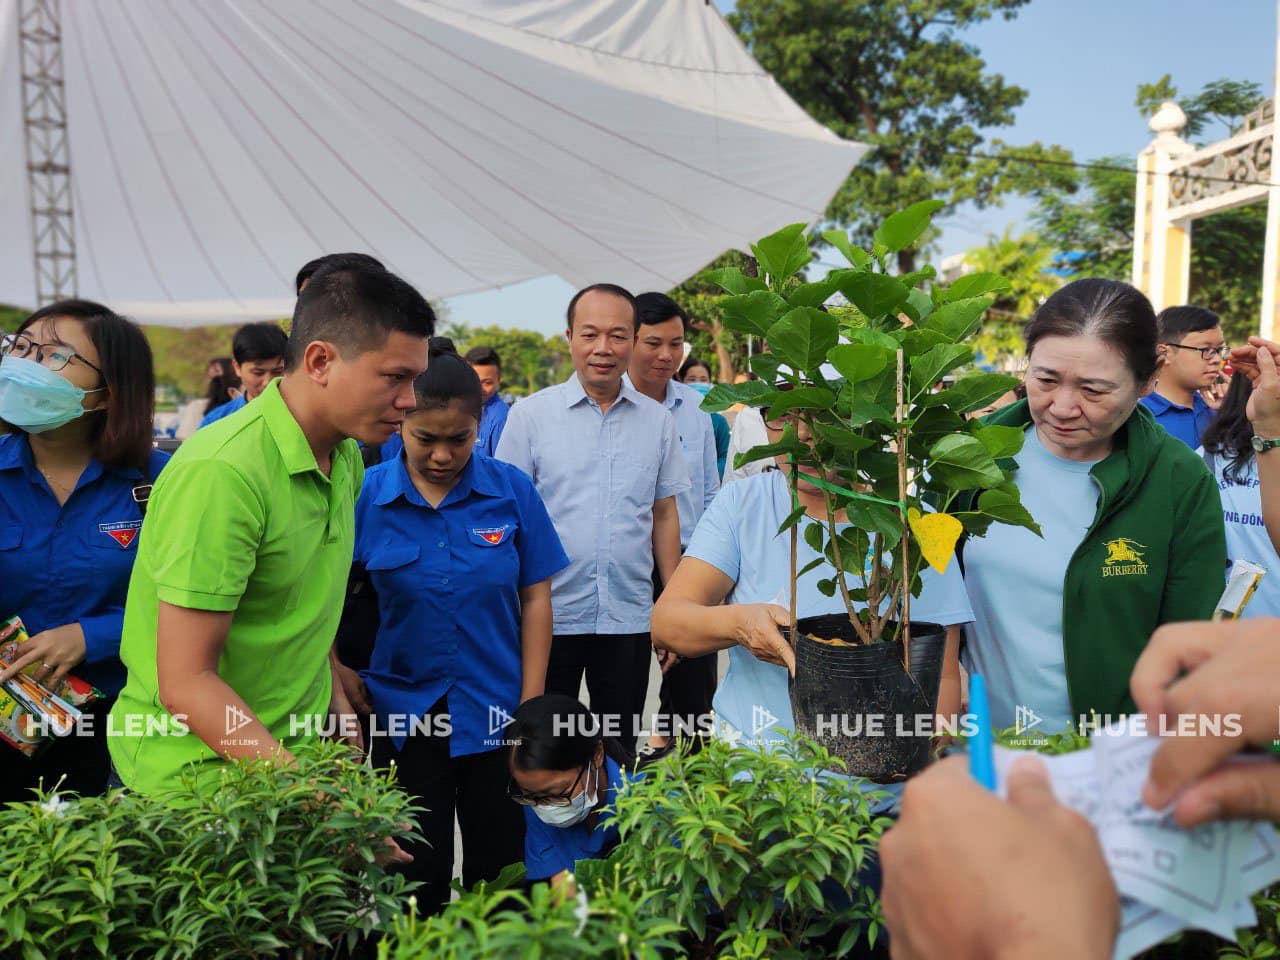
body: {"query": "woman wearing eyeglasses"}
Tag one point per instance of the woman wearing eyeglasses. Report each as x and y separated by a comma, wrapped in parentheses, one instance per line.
(565, 773)
(77, 397)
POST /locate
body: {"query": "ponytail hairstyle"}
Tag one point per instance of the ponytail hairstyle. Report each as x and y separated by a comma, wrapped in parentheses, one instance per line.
(448, 379)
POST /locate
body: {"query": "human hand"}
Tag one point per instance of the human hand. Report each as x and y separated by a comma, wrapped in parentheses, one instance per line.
(57, 652)
(756, 628)
(348, 724)
(353, 686)
(960, 861)
(666, 658)
(1230, 668)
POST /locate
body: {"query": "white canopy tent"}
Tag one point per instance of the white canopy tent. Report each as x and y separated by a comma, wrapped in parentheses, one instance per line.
(218, 145)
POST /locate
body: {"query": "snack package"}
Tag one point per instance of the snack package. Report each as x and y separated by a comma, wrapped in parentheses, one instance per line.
(30, 713)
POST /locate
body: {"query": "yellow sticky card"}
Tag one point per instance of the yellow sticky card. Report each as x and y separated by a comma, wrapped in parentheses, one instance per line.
(937, 534)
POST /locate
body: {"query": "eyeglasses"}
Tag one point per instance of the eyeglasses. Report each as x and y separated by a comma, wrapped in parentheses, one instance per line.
(545, 799)
(1206, 353)
(51, 355)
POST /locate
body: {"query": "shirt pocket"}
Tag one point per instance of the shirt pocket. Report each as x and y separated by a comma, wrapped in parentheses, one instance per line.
(501, 535)
(392, 557)
(635, 480)
(10, 536)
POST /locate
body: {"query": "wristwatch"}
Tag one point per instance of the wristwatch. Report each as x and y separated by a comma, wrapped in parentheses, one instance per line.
(1262, 446)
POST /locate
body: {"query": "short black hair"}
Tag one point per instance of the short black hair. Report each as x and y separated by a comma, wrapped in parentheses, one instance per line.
(355, 308)
(553, 732)
(690, 362)
(334, 261)
(121, 436)
(484, 357)
(659, 308)
(1176, 322)
(258, 341)
(611, 288)
(448, 379)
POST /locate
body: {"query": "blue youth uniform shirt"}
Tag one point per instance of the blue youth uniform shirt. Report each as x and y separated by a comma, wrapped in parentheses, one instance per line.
(549, 850)
(448, 582)
(70, 564)
(1188, 424)
(226, 410)
(493, 417)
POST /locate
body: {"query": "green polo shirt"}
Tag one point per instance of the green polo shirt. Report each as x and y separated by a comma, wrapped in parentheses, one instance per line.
(241, 520)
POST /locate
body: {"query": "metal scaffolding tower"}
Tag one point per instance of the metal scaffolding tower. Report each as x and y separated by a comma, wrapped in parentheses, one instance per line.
(44, 116)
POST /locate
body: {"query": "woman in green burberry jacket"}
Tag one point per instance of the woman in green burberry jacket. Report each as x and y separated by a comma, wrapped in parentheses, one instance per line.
(1131, 520)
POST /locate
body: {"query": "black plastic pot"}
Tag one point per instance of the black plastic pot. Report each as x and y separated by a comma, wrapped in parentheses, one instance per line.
(839, 692)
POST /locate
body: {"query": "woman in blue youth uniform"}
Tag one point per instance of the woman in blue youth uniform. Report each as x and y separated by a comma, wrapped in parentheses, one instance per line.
(460, 551)
(77, 398)
(565, 775)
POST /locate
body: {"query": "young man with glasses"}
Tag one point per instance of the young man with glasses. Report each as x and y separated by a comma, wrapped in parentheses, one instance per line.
(1191, 353)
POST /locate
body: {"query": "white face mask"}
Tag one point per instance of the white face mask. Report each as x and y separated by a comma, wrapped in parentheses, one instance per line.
(575, 811)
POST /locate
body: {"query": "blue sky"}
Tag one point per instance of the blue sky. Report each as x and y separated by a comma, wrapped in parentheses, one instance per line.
(1080, 60)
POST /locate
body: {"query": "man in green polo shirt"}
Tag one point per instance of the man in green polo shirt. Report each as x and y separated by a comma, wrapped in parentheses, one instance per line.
(238, 586)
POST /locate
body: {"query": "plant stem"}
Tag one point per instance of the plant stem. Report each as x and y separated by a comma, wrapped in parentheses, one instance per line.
(905, 622)
(795, 531)
(873, 588)
(862, 631)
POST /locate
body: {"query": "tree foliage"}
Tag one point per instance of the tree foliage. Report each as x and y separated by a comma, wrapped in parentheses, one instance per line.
(530, 360)
(1026, 262)
(899, 76)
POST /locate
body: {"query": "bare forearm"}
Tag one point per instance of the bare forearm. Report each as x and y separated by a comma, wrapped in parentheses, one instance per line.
(691, 629)
(949, 688)
(1269, 487)
(212, 711)
(535, 646)
(666, 541)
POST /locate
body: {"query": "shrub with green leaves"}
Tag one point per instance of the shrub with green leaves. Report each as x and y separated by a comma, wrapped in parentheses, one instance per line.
(608, 917)
(736, 845)
(855, 418)
(274, 863)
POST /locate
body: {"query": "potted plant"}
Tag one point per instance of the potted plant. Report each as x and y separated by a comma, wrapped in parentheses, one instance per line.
(897, 452)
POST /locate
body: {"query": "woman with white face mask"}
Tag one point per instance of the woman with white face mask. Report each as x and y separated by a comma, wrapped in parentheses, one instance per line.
(564, 772)
(77, 397)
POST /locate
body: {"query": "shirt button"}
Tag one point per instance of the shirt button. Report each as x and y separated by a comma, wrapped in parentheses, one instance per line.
(439, 543)
(444, 579)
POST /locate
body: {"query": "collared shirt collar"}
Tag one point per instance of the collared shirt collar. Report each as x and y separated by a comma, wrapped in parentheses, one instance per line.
(672, 399)
(478, 476)
(575, 392)
(295, 451)
(15, 454)
(1159, 403)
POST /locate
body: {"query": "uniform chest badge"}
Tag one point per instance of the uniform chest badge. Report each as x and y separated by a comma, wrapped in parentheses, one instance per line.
(492, 535)
(123, 533)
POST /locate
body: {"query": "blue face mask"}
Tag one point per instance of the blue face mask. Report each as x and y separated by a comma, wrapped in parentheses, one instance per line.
(702, 388)
(35, 399)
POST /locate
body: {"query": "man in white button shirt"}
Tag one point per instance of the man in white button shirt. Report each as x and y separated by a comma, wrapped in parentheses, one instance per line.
(687, 685)
(607, 462)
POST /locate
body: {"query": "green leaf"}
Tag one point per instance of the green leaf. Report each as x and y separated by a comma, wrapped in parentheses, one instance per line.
(752, 313)
(788, 444)
(859, 361)
(874, 337)
(1007, 508)
(874, 293)
(962, 463)
(855, 255)
(765, 366)
(813, 536)
(805, 398)
(783, 254)
(973, 392)
(792, 519)
(1000, 441)
(876, 518)
(918, 340)
(733, 280)
(959, 318)
(803, 337)
(722, 396)
(827, 588)
(934, 423)
(921, 305)
(928, 368)
(812, 294)
(841, 438)
(975, 285)
(863, 411)
(904, 228)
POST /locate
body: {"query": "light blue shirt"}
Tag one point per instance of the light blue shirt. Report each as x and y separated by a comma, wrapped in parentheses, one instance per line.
(738, 535)
(1246, 536)
(1015, 580)
(698, 443)
(599, 475)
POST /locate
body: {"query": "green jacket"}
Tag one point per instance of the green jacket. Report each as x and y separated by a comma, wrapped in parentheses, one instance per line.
(1155, 553)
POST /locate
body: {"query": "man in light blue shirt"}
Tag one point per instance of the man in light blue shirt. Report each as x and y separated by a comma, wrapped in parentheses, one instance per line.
(607, 462)
(687, 685)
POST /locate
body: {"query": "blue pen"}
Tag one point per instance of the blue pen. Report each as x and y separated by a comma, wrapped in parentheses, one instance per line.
(982, 761)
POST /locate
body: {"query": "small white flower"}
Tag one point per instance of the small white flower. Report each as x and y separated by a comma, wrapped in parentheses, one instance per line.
(55, 805)
(581, 910)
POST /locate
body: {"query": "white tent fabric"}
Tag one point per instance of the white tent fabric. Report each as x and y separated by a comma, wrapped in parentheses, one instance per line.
(469, 144)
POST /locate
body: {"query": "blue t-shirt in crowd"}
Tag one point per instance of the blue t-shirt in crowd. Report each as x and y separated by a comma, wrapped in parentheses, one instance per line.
(1188, 424)
(226, 410)
(738, 535)
(493, 417)
(1247, 537)
(71, 563)
(448, 582)
(1015, 582)
(549, 850)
